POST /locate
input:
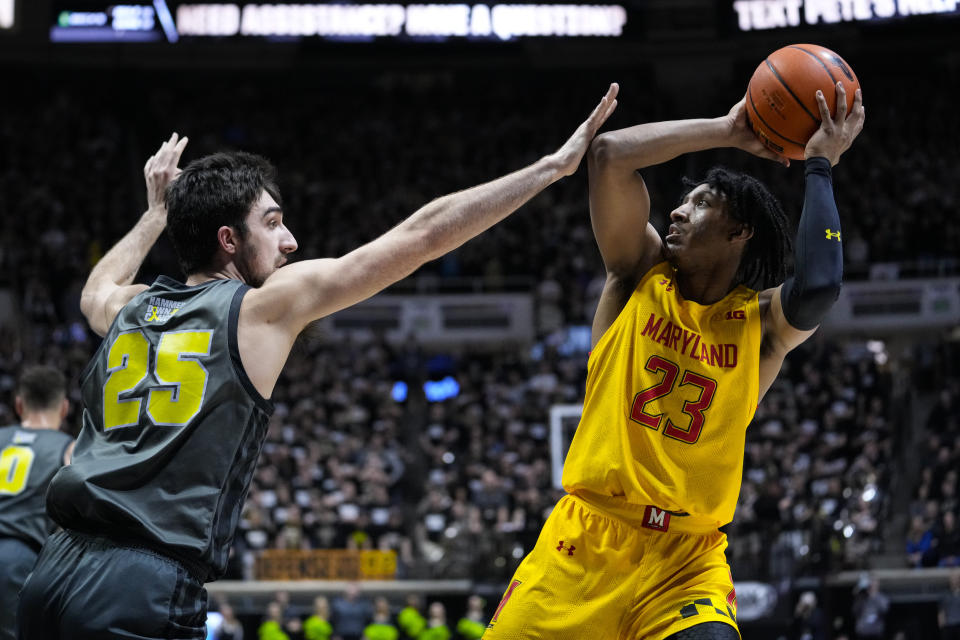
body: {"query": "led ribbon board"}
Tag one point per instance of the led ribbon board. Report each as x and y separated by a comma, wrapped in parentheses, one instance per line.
(775, 14)
(497, 22)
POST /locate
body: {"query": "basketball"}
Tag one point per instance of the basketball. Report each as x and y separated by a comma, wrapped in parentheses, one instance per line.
(781, 97)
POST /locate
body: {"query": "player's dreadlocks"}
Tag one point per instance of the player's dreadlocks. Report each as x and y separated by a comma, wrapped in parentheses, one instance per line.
(763, 264)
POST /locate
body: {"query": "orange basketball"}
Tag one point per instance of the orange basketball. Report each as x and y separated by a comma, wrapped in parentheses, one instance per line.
(782, 95)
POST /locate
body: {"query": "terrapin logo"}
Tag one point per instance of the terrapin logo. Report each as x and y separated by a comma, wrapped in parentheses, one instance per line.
(159, 310)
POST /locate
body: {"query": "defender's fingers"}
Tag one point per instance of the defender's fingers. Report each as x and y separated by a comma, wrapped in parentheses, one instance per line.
(613, 91)
(168, 144)
(611, 109)
(178, 150)
(605, 102)
(596, 121)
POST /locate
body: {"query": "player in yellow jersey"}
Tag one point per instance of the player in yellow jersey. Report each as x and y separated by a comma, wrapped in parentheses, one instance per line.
(689, 334)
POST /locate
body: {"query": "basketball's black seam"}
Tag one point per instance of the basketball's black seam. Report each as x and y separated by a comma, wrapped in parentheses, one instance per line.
(790, 91)
(757, 113)
(817, 58)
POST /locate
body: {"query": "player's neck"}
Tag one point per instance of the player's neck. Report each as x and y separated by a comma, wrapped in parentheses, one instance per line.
(226, 272)
(707, 286)
(41, 420)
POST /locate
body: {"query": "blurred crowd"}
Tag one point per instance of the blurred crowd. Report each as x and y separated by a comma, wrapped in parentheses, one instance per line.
(933, 537)
(457, 488)
(817, 470)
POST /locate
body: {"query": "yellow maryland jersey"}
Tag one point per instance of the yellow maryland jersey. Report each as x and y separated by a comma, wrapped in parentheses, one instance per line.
(671, 388)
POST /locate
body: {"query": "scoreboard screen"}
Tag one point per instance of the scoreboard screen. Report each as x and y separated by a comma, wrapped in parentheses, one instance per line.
(163, 21)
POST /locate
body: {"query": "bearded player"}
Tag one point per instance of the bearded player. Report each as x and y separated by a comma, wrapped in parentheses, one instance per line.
(689, 334)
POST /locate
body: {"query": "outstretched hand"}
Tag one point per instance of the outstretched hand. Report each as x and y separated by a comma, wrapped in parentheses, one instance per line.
(571, 153)
(744, 138)
(837, 132)
(161, 169)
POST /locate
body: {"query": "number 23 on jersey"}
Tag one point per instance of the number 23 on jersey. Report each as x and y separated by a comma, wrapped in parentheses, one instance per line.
(693, 408)
(181, 379)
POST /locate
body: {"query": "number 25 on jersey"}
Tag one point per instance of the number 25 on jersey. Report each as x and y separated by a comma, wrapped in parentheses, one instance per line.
(181, 378)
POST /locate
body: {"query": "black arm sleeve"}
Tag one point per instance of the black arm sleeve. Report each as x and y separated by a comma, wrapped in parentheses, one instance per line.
(809, 293)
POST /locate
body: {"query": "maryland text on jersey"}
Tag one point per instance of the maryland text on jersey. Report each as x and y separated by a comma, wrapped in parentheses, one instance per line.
(689, 343)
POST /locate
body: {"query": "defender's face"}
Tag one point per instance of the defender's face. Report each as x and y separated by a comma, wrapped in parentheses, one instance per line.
(698, 224)
(267, 242)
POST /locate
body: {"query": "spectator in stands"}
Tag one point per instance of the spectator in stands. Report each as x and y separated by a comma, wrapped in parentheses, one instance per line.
(474, 622)
(230, 628)
(380, 627)
(437, 628)
(869, 609)
(351, 613)
(948, 616)
(809, 621)
(948, 540)
(920, 550)
(317, 626)
(272, 627)
(410, 620)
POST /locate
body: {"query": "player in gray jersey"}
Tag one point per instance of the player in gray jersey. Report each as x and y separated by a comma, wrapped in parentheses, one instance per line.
(176, 401)
(30, 453)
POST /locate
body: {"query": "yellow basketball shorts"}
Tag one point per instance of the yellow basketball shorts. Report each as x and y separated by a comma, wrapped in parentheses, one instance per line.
(606, 572)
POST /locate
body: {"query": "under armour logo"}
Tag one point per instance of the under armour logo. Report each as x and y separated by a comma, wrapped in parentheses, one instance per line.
(667, 283)
(569, 549)
(833, 235)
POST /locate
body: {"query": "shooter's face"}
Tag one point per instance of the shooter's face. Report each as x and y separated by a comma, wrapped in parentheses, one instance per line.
(701, 231)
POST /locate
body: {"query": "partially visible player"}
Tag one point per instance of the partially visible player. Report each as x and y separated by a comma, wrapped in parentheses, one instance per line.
(176, 401)
(30, 453)
(689, 333)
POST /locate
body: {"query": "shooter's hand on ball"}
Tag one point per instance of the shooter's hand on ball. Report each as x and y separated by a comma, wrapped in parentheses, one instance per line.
(743, 137)
(836, 133)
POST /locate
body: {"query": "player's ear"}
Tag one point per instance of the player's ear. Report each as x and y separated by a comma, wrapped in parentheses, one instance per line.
(227, 238)
(18, 405)
(741, 232)
(64, 409)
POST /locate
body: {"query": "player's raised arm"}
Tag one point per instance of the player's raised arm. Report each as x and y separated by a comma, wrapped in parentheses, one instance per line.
(303, 292)
(109, 286)
(795, 309)
(620, 204)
